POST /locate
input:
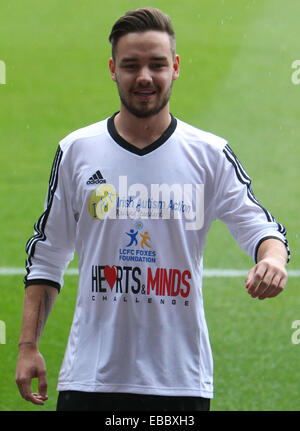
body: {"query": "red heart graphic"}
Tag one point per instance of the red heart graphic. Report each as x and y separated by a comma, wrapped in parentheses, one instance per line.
(110, 274)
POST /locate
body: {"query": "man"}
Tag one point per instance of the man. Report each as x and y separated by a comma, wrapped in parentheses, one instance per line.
(139, 339)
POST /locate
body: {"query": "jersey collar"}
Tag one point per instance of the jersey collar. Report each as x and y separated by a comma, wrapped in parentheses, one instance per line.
(133, 149)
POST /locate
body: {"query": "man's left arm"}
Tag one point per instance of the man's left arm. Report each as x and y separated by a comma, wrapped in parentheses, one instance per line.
(269, 276)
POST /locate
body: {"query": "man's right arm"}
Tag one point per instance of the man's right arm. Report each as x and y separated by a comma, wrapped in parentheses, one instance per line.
(38, 302)
(49, 251)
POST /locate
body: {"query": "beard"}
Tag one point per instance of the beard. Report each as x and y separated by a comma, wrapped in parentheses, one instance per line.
(143, 110)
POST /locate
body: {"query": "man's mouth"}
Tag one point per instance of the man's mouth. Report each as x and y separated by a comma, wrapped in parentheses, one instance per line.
(144, 94)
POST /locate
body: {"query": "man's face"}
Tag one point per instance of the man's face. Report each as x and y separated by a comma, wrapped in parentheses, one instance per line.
(144, 70)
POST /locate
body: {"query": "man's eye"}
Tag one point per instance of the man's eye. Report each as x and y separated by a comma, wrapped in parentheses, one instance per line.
(158, 66)
(130, 66)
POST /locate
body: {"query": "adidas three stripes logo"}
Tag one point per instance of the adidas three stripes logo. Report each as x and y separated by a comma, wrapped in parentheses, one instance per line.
(97, 178)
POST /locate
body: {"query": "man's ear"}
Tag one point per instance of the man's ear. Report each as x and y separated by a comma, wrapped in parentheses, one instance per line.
(176, 67)
(112, 69)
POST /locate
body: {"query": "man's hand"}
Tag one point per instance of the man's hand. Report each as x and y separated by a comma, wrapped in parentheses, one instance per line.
(266, 279)
(269, 276)
(38, 303)
(31, 365)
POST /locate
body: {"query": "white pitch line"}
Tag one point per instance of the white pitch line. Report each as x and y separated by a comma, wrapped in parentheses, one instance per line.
(21, 271)
(207, 272)
(239, 273)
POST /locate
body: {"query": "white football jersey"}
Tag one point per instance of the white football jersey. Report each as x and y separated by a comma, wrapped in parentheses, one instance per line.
(138, 221)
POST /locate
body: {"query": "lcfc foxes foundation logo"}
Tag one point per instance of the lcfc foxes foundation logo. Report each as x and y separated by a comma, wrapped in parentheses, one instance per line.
(138, 247)
(134, 235)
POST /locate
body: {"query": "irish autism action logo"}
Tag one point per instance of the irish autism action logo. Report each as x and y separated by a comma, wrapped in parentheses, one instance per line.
(157, 201)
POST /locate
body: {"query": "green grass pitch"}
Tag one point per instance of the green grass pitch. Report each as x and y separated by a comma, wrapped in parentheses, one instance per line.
(236, 81)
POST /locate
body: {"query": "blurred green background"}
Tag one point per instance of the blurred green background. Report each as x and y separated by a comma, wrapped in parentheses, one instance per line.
(236, 81)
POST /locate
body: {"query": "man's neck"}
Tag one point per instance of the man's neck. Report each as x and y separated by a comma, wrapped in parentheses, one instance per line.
(142, 132)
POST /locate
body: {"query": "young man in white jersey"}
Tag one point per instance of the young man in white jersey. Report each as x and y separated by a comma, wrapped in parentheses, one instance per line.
(139, 339)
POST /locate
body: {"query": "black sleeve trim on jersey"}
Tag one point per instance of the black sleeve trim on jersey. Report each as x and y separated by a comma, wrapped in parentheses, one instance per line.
(244, 178)
(133, 149)
(269, 237)
(40, 225)
(43, 282)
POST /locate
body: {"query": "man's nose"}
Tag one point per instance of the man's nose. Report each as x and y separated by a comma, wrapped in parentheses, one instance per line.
(144, 76)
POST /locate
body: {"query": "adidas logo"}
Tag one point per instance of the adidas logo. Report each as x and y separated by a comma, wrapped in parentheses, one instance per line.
(96, 179)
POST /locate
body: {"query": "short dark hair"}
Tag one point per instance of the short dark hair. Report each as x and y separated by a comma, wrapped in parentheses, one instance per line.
(141, 20)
